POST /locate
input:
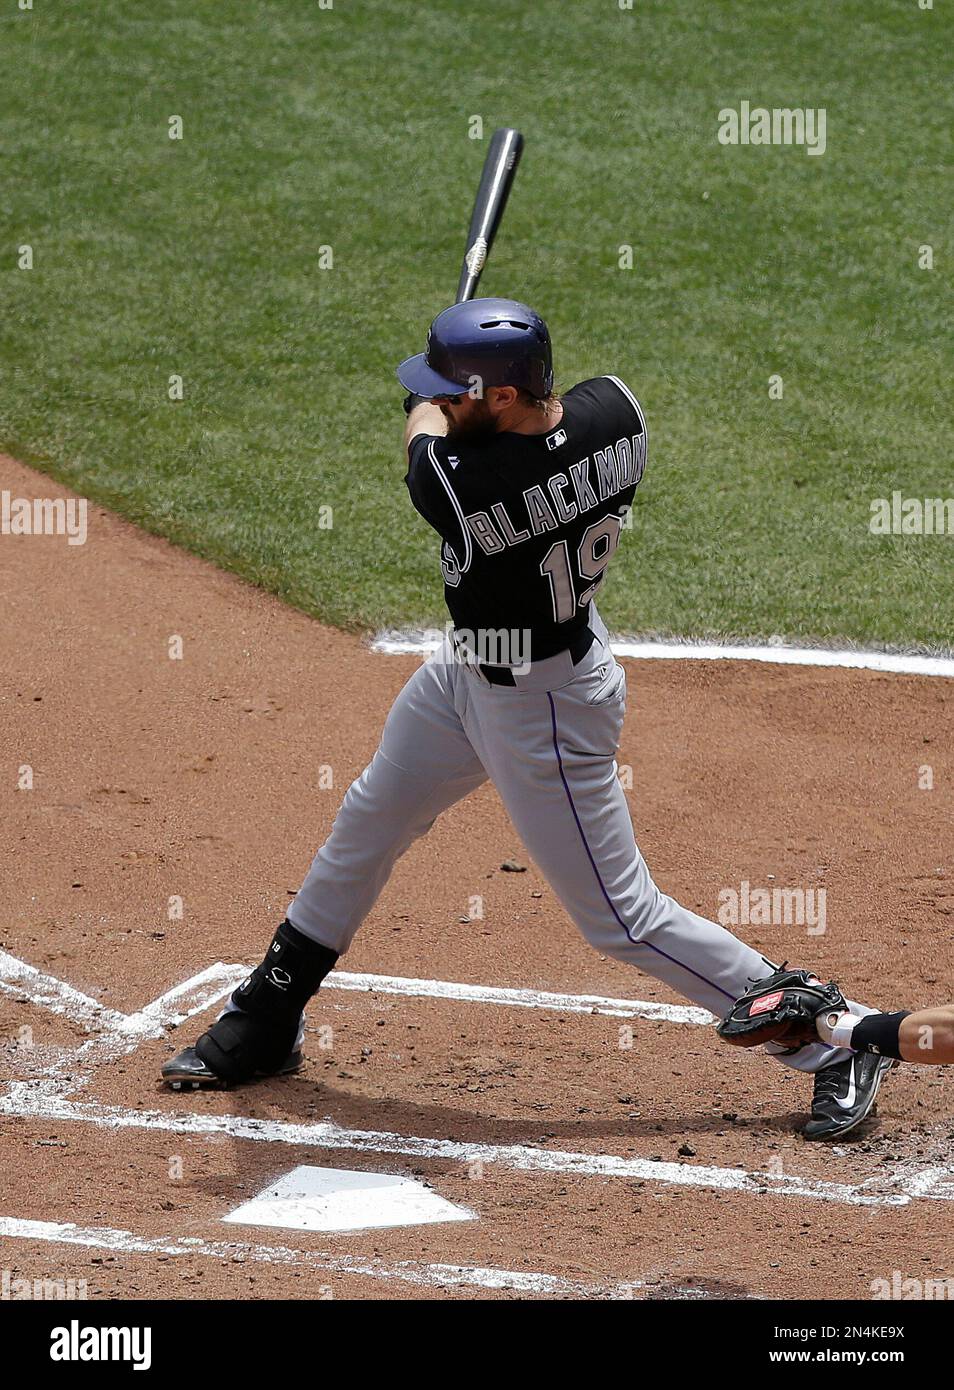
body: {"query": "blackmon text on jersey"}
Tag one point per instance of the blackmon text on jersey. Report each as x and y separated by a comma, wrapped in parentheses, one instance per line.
(564, 496)
(530, 522)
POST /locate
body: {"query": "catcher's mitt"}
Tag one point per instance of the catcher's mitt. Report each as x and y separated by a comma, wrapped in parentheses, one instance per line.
(782, 1008)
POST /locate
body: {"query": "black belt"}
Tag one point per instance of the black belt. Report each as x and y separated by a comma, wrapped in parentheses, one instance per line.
(502, 675)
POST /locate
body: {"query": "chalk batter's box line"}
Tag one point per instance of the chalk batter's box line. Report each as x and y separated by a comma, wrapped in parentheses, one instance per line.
(25, 1102)
(210, 985)
(421, 642)
(527, 1283)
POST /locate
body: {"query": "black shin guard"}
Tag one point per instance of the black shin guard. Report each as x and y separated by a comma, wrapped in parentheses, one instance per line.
(293, 968)
(262, 1033)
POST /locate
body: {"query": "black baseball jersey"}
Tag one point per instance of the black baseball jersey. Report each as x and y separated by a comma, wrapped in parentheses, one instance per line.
(530, 521)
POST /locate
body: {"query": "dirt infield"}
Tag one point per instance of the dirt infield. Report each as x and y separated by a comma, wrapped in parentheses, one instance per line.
(605, 1152)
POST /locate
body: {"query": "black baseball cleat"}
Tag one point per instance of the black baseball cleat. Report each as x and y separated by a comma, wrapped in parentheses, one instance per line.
(845, 1094)
(188, 1072)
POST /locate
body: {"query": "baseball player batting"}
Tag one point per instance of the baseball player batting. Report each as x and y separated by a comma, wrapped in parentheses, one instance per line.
(527, 491)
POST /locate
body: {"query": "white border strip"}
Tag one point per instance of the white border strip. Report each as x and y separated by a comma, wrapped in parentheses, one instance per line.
(407, 1271)
(24, 981)
(115, 1033)
(26, 1102)
(519, 998)
(787, 656)
(421, 642)
(193, 996)
(211, 985)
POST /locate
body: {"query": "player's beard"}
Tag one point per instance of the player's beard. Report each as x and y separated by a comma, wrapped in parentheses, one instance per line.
(477, 428)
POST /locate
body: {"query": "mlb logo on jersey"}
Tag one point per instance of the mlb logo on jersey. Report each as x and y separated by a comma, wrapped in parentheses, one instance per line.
(556, 439)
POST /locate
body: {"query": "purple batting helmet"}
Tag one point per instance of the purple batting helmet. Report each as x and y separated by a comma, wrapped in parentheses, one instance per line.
(496, 342)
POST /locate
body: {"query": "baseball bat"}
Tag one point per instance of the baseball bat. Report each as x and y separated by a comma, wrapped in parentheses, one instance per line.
(500, 166)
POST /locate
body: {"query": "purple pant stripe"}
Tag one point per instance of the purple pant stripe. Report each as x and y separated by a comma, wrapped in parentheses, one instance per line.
(599, 878)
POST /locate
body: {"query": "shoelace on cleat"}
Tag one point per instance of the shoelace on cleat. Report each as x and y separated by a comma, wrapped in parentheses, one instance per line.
(829, 1081)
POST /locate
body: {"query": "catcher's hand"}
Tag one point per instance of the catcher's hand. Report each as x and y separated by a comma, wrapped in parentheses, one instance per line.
(782, 1009)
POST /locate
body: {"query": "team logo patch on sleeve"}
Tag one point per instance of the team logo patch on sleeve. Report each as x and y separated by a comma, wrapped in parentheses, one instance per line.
(768, 1001)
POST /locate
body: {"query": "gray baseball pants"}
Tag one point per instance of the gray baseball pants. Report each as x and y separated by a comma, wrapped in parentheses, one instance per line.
(549, 746)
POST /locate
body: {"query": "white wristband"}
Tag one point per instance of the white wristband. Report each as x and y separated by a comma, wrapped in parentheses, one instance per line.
(836, 1028)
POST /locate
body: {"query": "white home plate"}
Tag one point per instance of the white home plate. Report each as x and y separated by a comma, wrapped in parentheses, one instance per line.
(340, 1199)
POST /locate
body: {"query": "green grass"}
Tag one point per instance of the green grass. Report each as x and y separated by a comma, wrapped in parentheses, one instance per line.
(349, 127)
